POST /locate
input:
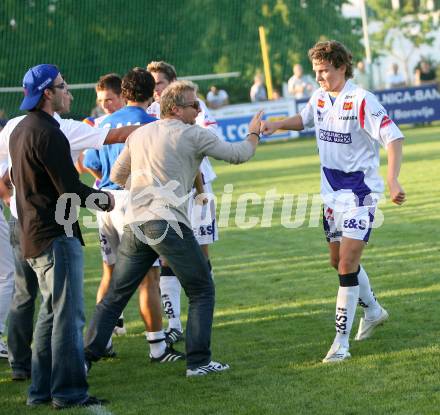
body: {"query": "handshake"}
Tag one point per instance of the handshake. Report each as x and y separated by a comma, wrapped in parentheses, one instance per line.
(257, 126)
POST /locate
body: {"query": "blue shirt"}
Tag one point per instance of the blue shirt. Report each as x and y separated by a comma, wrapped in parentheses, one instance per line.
(103, 160)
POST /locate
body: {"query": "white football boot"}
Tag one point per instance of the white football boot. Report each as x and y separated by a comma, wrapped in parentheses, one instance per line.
(366, 327)
(336, 354)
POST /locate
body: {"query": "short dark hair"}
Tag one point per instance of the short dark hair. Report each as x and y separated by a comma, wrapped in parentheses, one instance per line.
(163, 67)
(110, 81)
(334, 52)
(138, 85)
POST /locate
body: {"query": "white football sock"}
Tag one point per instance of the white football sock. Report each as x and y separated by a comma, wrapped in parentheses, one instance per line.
(170, 289)
(367, 299)
(156, 340)
(346, 308)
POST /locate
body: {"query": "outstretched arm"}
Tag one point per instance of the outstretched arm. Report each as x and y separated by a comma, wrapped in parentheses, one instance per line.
(294, 123)
(208, 144)
(397, 194)
(119, 135)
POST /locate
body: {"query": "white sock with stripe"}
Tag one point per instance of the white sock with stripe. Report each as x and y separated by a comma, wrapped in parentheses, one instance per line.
(170, 289)
(367, 299)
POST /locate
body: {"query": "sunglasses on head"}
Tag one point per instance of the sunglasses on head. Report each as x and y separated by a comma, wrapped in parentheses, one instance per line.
(194, 104)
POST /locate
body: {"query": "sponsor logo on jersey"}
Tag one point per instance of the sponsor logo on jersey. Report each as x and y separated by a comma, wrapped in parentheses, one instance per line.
(378, 113)
(349, 96)
(348, 117)
(320, 117)
(385, 121)
(321, 103)
(334, 137)
(347, 106)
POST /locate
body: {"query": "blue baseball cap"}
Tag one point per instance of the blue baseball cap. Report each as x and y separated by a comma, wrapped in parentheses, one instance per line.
(35, 81)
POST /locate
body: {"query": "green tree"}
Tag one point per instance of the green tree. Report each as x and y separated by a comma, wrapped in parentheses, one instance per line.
(87, 38)
(402, 30)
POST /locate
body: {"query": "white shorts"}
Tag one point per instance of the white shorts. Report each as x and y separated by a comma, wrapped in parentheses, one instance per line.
(7, 268)
(355, 223)
(202, 217)
(111, 227)
(7, 265)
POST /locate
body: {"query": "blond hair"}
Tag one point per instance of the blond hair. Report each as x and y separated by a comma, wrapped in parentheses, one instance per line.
(163, 67)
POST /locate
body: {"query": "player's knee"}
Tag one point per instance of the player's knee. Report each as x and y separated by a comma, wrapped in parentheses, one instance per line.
(151, 280)
(154, 275)
(334, 262)
(347, 266)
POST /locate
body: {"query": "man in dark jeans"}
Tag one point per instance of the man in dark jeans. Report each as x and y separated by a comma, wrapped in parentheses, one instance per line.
(42, 172)
(20, 328)
(163, 159)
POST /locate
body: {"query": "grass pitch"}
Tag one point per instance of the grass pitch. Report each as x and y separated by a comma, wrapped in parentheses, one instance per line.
(274, 318)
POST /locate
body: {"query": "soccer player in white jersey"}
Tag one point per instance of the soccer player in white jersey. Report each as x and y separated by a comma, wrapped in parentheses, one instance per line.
(350, 126)
(202, 214)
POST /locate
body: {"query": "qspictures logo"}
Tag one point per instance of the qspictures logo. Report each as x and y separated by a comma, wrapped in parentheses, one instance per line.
(168, 201)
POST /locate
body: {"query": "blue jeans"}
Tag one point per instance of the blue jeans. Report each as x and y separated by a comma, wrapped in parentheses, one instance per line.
(21, 314)
(134, 259)
(58, 371)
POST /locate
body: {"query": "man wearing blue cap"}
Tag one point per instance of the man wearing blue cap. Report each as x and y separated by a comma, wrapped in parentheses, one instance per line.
(42, 171)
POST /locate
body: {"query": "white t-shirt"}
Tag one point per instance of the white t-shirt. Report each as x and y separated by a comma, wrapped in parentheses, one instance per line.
(395, 80)
(218, 99)
(300, 87)
(205, 120)
(349, 133)
(80, 135)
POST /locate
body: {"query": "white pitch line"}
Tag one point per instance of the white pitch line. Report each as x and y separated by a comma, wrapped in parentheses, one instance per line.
(93, 84)
(99, 410)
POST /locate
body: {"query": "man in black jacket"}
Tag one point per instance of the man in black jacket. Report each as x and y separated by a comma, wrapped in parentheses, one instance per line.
(42, 171)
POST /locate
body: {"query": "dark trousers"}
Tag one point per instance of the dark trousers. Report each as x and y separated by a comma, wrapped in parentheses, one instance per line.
(58, 371)
(135, 257)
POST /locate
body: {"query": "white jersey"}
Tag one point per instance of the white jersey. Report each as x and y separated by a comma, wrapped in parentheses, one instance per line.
(154, 110)
(80, 135)
(205, 120)
(348, 134)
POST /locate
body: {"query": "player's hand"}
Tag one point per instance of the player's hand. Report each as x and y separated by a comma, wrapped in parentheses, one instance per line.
(255, 124)
(268, 127)
(397, 194)
(201, 199)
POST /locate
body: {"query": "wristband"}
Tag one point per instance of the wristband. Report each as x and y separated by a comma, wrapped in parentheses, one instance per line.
(258, 135)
